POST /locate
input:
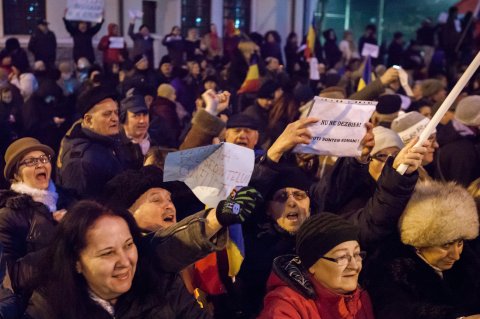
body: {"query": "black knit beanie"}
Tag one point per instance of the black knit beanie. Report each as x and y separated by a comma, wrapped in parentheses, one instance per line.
(320, 233)
(290, 177)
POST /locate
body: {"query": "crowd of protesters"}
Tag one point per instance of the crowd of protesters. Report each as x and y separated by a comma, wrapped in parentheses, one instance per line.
(89, 229)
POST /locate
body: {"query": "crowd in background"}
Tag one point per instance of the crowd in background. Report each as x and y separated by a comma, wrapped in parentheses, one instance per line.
(89, 229)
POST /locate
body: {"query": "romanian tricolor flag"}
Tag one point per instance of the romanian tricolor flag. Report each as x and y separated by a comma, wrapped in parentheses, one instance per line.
(235, 249)
(251, 84)
(367, 75)
(310, 42)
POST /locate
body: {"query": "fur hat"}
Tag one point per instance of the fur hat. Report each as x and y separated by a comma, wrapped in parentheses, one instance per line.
(468, 111)
(437, 214)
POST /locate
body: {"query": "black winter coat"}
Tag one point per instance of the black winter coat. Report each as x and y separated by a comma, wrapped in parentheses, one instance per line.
(44, 47)
(87, 161)
(26, 228)
(82, 41)
(403, 286)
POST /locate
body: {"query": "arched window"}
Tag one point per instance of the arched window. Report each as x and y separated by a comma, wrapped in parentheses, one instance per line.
(21, 16)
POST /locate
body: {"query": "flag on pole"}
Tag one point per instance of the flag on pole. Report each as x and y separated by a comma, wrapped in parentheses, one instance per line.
(310, 42)
(251, 83)
(367, 75)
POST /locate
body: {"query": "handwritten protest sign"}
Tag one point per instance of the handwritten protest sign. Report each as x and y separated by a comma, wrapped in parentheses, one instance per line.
(85, 10)
(211, 172)
(116, 42)
(340, 129)
(370, 50)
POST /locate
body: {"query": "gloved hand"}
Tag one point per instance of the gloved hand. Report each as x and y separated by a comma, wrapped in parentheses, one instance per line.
(235, 210)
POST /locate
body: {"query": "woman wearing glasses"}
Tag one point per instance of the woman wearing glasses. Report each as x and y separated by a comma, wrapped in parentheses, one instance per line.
(322, 280)
(432, 271)
(29, 210)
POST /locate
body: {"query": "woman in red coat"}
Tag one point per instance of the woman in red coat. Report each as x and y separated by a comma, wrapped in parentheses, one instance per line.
(322, 281)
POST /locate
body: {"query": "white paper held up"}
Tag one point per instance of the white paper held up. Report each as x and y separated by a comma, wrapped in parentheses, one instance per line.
(211, 172)
(314, 74)
(370, 50)
(340, 129)
(85, 10)
(116, 42)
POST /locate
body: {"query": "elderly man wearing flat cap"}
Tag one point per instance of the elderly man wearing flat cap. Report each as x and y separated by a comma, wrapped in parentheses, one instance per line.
(91, 153)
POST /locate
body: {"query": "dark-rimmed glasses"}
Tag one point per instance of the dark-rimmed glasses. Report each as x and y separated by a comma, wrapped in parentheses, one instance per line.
(33, 161)
(346, 259)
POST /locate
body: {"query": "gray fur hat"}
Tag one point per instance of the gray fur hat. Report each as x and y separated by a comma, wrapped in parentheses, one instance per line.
(437, 214)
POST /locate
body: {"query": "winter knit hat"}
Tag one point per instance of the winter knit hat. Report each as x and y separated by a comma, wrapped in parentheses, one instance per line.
(431, 87)
(267, 90)
(384, 138)
(388, 104)
(409, 125)
(320, 233)
(290, 177)
(437, 214)
(468, 111)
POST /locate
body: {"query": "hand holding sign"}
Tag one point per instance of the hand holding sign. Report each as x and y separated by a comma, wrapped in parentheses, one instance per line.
(294, 134)
(367, 144)
(389, 76)
(341, 127)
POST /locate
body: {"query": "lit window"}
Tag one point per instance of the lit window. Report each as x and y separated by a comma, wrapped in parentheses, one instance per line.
(22, 16)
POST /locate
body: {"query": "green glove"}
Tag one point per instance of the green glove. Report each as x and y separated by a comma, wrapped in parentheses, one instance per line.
(235, 210)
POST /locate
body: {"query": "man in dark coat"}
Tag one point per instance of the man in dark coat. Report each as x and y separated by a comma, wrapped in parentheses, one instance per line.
(90, 153)
(82, 34)
(43, 44)
(142, 42)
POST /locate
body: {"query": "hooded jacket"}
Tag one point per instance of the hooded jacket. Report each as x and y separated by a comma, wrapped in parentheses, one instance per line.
(292, 294)
(110, 55)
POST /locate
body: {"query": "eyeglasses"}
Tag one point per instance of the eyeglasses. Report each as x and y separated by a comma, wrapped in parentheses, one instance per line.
(283, 196)
(383, 157)
(346, 259)
(33, 161)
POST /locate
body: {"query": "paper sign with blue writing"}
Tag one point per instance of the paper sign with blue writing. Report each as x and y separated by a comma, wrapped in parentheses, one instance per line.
(340, 129)
(211, 172)
(85, 10)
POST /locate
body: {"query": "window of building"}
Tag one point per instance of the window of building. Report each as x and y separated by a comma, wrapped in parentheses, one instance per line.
(239, 12)
(21, 16)
(196, 14)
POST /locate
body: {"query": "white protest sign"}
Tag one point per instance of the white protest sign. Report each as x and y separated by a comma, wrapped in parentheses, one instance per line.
(314, 74)
(135, 14)
(116, 42)
(340, 129)
(403, 75)
(85, 10)
(370, 50)
(211, 172)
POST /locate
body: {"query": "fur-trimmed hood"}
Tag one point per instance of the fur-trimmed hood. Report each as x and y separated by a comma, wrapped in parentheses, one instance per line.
(438, 213)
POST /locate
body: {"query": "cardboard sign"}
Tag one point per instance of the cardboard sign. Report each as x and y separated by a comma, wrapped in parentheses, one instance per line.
(370, 50)
(341, 127)
(85, 10)
(211, 172)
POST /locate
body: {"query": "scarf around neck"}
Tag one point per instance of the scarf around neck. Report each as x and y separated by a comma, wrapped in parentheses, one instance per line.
(48, 196)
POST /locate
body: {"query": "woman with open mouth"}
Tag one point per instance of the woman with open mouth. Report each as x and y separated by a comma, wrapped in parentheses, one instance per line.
(29, 210)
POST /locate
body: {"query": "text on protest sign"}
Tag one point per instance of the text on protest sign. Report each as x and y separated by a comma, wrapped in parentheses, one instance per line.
(211, 172)
(370, 50)
(414, 131)
(85, 10)
(340, 129)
